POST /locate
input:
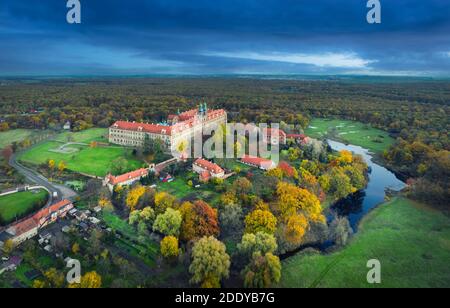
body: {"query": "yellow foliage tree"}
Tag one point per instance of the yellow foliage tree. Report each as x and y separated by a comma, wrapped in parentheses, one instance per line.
(90, 280)
(133, 197)
(292, 199)
(163, 201)
(260, 221)
(345, 157)
(61, 166)
(76, 248)
(296, 228)
(51, 164)
(169, 247)
(276, 172)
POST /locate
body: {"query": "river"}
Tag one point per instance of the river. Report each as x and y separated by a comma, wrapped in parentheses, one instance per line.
(380, 179)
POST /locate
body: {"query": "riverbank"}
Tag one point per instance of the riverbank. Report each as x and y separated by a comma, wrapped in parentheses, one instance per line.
(411, 240)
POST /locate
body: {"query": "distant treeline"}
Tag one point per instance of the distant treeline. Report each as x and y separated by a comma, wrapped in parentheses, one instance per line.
(416, 113)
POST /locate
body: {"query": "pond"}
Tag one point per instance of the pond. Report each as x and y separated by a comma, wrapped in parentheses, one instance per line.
(380, 180)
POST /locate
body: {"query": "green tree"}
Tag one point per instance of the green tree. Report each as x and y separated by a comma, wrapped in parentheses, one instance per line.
(263, 271)
(210, 262)
(260, 242)
(168, 223)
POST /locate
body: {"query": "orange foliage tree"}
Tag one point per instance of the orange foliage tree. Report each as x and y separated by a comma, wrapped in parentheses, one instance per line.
(199, 220)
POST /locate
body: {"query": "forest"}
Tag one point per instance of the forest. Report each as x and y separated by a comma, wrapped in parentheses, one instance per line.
(414, 112)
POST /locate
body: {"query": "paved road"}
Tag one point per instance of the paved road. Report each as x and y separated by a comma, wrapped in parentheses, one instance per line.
(34, 177)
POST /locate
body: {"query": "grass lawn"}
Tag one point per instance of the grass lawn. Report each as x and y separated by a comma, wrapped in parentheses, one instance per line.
(178, 188)
(412, 242)
(182, 191)
(20, 204)
(85, 136)
(16, 135)
(351, 132)
(94, 161)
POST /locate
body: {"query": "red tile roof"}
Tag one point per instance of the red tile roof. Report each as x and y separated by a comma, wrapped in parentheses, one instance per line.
(257, 161)
(209, 166)
(33, 222)
(137, 174)
(188, 114)
(148, 128)
(273, 131)
(51, 209)
(25, 226)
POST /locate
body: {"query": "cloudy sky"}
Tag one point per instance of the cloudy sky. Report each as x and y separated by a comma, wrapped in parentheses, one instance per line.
(225, 37)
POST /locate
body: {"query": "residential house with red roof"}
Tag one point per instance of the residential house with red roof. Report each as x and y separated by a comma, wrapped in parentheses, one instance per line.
(258, 162)
(125, 179)
(207, 170)
(29, 227)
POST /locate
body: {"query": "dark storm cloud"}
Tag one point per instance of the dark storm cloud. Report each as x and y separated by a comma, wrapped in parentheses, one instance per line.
(224, 36)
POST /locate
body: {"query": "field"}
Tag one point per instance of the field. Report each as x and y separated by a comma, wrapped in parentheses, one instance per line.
(86, 136)
(412, 242)
(96, 161)
(351, 132)
(19, 204)
(148, 251)
(17, 135)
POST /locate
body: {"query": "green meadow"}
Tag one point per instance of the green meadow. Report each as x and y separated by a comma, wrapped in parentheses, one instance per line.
(350, 132)
(411, 240)
(16, 135)
(96, 161)
(20, 204)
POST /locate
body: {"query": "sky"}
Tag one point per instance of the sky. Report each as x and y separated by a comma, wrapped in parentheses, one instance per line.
(140, 37)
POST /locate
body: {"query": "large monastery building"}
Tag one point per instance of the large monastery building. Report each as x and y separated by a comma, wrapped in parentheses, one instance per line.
(180, 127)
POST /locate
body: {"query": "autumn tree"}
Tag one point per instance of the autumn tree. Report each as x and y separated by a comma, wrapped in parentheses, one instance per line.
(51, 164)
(260, 221)
(296, 228)
(169, 247)
(90, 280)
(75, 248)
(199, 220)
(61, 166)
(133, 197)
(340, 184)
(287, 170)
(106, 204)
(163, 201)
(210, 262)
(292, 199)
(260, 242)
(54, 278)
(276, 173)
(263, 271)
(168, 223)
